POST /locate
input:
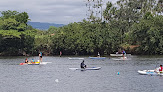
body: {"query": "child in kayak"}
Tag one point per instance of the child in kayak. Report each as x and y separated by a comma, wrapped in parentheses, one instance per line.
(26, 60)
(32, 61)
(82, 65)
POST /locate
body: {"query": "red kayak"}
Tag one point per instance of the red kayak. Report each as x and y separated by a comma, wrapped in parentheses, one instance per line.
(22, 63)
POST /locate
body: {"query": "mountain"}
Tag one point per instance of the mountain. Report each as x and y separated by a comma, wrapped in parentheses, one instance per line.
(43, 26)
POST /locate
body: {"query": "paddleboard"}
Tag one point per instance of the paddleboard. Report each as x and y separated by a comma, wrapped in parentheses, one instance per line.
(97, 57)
(116, 55)
(89, 68)
(75, 58)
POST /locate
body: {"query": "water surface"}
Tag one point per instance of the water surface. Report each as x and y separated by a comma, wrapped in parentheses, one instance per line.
(56, 76)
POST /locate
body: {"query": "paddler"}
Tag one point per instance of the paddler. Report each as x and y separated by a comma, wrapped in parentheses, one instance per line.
(32, 61)
(82, 65)
(26, 60)
(159, 70)
(40, 56)
(60, 54)
(123, 52)
(98, 55)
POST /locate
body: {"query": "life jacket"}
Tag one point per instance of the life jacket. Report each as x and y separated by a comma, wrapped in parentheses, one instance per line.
(160, 69)
(40, 54)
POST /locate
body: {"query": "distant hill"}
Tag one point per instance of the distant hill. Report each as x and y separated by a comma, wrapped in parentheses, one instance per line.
(43, 26)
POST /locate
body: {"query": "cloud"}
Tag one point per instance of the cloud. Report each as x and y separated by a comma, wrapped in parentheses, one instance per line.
(52, 11)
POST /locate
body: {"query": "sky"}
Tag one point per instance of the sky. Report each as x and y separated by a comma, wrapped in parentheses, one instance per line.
(50, 11)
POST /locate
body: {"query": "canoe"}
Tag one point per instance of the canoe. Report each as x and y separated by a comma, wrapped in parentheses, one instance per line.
(149, 72)
(75, 58)
(89, 68)
(97, 57)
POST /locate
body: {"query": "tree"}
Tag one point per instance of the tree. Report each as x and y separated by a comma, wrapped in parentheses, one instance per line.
(13, 20)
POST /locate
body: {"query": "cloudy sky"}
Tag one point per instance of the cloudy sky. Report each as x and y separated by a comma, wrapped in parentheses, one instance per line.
(50, 11)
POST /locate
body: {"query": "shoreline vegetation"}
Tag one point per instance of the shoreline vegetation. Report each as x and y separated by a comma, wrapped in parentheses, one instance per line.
(133, 25)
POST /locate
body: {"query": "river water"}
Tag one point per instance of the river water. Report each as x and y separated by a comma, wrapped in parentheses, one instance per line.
(56, 76)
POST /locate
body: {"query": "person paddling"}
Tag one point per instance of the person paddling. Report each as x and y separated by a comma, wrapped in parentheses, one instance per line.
(98, 55)
(32, 61)
(40, 56)
(60, 54)
(124, 53)
(82, 65)
(159, 70)
(26, 60)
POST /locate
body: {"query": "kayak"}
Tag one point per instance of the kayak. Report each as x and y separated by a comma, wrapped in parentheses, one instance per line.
(33, 63)
(75, 58)
(149, 72)
(37, 63)
(89, 68)
(23, 64)
(97, 57)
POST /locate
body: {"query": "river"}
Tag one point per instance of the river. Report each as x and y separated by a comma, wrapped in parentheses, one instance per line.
(56, 76)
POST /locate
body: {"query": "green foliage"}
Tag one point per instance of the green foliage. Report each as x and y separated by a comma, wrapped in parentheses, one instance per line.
(148, 34)
(13, 20)
(129, 22)
(9, 24)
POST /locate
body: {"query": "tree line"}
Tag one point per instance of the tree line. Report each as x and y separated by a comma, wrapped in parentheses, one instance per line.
(133, 25)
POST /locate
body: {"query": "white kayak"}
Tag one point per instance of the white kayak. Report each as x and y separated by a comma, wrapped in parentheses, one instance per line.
(75, 58)
(149, 72)
(89, 68)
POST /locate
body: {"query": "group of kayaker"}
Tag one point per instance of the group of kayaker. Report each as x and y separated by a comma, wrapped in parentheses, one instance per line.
(82, 65)
(33, 61)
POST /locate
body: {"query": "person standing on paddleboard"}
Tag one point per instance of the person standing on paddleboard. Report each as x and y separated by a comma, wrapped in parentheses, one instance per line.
(40, 56)
(123, 52)
(60, 54)
(98, 55)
